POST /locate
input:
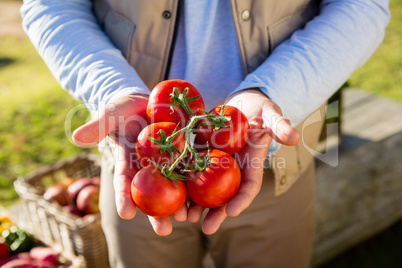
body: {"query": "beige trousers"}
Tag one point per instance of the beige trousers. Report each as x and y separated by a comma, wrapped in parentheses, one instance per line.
(272, 232)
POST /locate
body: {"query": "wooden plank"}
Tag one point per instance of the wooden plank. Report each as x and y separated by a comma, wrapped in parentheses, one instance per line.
(361, 196)
(358, 198)
(370, 117)
(352, 97)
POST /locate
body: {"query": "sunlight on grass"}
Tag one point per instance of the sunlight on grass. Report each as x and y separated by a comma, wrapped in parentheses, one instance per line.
(382, 74)
(23, 73)
(33, 110)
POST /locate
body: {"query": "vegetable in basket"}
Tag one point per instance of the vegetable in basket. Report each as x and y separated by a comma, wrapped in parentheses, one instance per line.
(17, 240)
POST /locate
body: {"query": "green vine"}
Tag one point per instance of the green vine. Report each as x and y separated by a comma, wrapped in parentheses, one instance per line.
(166, 142)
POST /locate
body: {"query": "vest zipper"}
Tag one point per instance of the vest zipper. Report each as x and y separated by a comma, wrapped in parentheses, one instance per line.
(174, 39)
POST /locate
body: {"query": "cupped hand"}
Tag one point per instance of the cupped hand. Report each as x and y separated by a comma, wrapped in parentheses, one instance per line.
(266, 123)
(120, 122)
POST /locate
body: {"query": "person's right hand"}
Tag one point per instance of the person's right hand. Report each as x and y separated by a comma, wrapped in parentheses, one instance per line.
(121, 122)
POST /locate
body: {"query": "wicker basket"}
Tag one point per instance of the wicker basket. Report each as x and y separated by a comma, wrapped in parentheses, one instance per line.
(65, 261)
(72, 235)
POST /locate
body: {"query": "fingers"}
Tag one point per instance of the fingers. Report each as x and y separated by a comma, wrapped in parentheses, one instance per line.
(161, 226)
(181, 215)
(277, 125)
(123, 177)
(255, 151)
(124, 204)
(213, 220)
(125, 170)
(125, 167)
(245, 196)
(262, 112)
(251, 183)
(194, 212)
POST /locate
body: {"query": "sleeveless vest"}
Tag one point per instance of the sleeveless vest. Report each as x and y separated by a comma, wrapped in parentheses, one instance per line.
(145, 32)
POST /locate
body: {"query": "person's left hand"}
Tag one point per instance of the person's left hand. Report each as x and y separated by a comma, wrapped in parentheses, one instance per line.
(266, 123)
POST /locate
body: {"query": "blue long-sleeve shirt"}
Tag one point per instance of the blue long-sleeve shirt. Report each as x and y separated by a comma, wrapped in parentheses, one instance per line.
(299, 76)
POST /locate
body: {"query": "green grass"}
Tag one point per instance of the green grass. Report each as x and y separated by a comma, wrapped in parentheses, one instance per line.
(382, 74)
(32, 114)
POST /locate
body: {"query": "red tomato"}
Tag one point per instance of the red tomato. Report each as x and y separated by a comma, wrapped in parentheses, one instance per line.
(4, 250)
(156, 195)
(160, 101)
(217, 184)
(230, 139)
(158, 152)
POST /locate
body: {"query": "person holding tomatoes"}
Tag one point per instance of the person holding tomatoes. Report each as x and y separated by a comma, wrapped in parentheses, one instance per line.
(275, 61)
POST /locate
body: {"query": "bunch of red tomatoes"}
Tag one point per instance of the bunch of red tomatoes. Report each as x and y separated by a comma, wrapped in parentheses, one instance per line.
(186, 153)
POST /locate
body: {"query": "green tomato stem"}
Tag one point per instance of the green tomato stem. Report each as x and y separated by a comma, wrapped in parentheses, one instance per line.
(187, 148)
(180, 99)
(218, 121)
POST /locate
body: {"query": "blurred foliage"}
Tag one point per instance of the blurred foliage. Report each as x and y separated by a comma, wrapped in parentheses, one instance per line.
(32, 115)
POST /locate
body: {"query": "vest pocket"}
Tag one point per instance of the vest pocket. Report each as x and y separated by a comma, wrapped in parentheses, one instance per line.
(283, 28)
(120, 30)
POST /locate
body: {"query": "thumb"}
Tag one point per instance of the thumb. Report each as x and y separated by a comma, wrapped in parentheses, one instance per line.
(127, 109)
(277, 125)
(94, 131)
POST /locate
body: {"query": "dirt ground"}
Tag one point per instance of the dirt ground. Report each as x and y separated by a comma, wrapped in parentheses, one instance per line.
(10, 18)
